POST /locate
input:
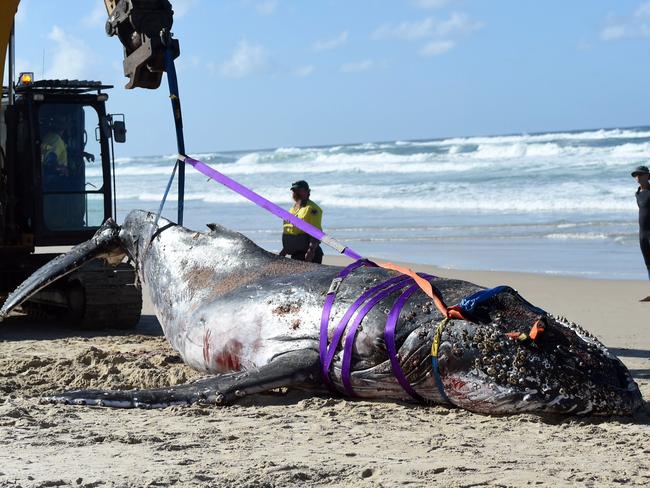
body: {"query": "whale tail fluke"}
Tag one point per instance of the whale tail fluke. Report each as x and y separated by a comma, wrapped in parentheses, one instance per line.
(290, 369)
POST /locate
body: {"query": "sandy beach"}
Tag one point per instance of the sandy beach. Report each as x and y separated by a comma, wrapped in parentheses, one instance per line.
(295, 439)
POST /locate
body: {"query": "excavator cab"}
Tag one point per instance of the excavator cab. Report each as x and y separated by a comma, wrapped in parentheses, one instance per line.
(57, 173)
(64, 149)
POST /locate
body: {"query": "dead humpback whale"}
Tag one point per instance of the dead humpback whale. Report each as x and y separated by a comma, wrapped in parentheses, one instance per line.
(253, 319)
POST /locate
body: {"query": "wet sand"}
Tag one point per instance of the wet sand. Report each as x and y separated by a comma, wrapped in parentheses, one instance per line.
(296, 439)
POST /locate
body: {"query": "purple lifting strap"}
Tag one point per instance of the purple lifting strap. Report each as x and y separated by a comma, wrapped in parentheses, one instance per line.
(373, 296)
(352, 332)
(327, 309)
(389, 339)
(340, 328)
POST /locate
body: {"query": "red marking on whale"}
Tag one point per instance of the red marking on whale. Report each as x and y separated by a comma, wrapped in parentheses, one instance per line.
(229, 358)
(206, 348)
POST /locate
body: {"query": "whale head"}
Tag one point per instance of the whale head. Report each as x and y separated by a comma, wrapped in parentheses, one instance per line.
(513, 357)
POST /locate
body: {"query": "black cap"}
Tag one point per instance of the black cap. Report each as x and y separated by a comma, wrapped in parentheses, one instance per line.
(299, 184)
(640, 170)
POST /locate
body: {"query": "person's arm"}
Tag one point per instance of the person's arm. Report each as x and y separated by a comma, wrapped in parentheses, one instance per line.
(314, 217)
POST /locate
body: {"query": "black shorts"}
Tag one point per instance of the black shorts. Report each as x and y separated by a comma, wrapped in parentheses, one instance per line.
(644, 240)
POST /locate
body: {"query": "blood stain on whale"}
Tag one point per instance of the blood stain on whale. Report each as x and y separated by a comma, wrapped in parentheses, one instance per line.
(206, 348)
(229, 358)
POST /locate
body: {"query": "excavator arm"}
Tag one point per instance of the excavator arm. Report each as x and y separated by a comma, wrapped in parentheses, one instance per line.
(144, 29)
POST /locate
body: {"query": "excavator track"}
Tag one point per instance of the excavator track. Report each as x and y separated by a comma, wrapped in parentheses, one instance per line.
(94, 297)
(104, 298)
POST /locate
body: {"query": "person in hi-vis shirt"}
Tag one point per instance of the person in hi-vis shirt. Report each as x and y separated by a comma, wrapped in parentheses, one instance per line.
(295, 242)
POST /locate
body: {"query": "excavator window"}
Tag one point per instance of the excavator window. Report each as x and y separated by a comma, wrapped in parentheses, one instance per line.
(71, 178)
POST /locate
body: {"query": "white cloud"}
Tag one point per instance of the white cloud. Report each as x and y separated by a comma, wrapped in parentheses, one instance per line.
(457, 24)
(331, 44)
(614, 32)
(435, 48)
(440, 35)
(405, 31)
(72, 57)
(267, 7)
(431, 4)
(247, 59)
(635, 26)
(304, 71)
(97, 17)
(358, 66)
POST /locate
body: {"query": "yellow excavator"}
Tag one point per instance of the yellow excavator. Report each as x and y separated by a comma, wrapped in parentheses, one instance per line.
(57, 178)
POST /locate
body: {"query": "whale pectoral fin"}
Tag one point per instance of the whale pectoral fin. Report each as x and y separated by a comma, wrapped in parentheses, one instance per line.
(289, 369)
(104, 244)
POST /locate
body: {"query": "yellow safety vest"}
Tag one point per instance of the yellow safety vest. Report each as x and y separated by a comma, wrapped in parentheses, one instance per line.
(309, 212)
(52, 143)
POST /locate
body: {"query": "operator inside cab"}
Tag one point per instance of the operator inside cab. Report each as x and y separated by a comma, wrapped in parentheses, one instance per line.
(295, 242)
(54, 152)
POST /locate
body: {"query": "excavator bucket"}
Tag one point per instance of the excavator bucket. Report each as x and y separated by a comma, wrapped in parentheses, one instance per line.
(144, 29)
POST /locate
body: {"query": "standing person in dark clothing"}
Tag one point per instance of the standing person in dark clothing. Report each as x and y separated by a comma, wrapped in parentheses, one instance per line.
(642, 176)
(295, 242)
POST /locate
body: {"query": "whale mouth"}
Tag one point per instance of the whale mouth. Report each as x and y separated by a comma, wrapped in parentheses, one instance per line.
(552, 391)
(622, 392)
(105, 244)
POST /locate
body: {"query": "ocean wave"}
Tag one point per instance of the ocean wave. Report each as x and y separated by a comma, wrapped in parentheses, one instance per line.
(489, 156)
(371, 163)
(325, 157)
(165, 160)
(525, 204)
(630, 150)
(584, 236)
(592, 135)
(503, 174)
(552, 155)
(135, 170)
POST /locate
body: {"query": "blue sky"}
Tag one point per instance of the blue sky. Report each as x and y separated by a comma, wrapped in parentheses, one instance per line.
(270, 73)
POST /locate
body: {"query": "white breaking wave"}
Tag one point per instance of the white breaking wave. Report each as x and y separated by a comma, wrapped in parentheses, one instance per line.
(595, 135)
(561, 172)
(586, 236)
(449, 202)
(543, 153)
